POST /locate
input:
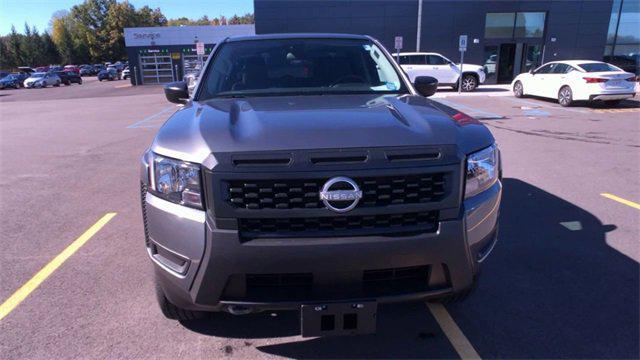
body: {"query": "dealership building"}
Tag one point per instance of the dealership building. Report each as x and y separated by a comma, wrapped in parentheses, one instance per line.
(506, 37)
(159, 55)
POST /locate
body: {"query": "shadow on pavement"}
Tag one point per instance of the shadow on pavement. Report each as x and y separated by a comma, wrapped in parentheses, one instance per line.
(551, 290)
(548, 291)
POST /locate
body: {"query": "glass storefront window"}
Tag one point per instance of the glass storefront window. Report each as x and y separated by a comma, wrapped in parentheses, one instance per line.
(532, 57)
(623, 37)
(529, 25)
(613, 22)
(629, 26)
(499, 25)
(490, 63)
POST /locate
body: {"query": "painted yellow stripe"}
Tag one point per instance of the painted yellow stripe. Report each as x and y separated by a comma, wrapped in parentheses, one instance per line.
(14, 300)
(460, 342)
(122, 86)
(621, 200)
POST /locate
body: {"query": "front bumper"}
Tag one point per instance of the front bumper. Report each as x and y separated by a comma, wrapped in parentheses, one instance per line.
(200, 267)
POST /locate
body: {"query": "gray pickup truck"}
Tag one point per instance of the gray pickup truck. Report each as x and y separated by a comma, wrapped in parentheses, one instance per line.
(307, 173)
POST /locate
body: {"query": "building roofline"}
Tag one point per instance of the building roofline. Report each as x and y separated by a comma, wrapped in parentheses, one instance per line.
(297, 36)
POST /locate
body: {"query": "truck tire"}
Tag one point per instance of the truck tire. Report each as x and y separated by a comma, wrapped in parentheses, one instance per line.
(173, 312)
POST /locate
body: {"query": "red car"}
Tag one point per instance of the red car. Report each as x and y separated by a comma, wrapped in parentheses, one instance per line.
(73, 68)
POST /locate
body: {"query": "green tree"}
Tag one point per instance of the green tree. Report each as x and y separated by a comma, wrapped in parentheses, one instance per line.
(61, 36)
(5, 61)
(49, 49)
(119, 16)
(14, 48)
(151, 17)
(32, 46)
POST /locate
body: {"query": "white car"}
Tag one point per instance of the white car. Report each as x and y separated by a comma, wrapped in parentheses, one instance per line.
(444, 70)
(125, 73)
(577, 80)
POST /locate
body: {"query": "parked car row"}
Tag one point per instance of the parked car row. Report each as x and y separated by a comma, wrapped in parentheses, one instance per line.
(55, 75)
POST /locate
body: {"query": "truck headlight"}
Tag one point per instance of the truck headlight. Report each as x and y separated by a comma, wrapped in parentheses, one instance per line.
(176, 181)
(482, 170)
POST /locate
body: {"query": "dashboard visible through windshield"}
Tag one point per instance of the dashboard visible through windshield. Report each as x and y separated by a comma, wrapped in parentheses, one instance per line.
(300, 67)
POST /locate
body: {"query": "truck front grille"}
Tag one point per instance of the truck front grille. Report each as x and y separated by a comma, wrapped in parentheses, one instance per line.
(355, 225)
(304, 193)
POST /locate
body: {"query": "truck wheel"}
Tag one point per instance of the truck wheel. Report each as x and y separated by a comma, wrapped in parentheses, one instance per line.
(173, 312)
(565, 96)
(469, 83)
(518, 90)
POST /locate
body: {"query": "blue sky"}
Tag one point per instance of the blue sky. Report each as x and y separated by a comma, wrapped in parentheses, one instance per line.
(38, 12)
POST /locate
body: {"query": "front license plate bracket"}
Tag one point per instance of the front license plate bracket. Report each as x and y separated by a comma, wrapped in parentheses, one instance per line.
(338, 318)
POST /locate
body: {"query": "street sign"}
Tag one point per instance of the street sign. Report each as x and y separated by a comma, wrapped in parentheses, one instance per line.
(200, 48)
(462, 43)
(398, 44)
(462, 46)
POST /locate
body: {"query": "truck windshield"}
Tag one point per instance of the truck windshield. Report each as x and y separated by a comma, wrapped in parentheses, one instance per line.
(299, 67)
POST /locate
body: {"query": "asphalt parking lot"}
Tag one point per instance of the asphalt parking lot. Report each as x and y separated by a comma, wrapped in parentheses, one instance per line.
(563, 281)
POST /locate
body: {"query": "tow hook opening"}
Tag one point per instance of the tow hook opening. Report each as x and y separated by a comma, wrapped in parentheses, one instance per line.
(239, 310)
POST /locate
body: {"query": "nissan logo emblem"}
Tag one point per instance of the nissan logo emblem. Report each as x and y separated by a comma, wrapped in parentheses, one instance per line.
(344, 198)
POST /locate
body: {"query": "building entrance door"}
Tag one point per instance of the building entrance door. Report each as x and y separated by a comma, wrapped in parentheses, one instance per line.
(531, 57)
(512, 59)
(506, 62)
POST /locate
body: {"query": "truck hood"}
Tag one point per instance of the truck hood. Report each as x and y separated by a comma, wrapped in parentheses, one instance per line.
(314, 122)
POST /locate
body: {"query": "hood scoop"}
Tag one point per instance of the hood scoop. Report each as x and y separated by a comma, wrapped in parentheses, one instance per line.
(400, 155)
(257, 160)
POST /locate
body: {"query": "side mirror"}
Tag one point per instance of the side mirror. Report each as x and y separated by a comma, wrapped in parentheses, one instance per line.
(177, 92)
(426, 85)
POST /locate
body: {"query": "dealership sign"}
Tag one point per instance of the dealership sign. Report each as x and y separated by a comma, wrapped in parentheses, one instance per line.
(144, 36)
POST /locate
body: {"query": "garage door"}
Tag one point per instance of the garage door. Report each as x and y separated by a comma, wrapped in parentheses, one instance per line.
(156, 69)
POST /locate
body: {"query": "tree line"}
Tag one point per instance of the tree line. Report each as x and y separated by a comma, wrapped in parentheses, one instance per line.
(90, 32)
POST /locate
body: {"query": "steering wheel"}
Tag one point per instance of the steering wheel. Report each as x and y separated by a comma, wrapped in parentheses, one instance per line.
(348, 79)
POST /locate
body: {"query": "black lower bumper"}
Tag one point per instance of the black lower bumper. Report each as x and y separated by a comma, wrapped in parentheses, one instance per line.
(271, 274)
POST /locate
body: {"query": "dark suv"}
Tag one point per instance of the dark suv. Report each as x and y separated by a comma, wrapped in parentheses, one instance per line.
(306, 172)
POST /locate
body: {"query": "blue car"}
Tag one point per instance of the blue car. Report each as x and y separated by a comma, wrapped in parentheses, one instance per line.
(108, 74)
(12, 81)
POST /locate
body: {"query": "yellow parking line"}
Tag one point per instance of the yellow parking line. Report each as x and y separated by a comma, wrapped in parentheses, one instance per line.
(460, 342)
(621, 200)
(33, 283)
(122, 86)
